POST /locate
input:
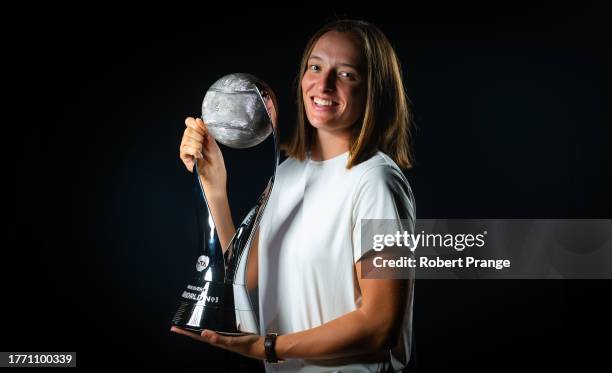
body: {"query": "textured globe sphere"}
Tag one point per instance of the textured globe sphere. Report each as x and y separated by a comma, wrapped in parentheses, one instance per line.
(235, 113)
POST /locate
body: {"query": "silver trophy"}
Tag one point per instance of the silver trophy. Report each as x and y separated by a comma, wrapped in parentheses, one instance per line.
(240, 112)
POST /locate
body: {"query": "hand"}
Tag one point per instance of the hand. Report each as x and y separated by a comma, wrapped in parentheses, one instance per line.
(248, 345)
(197, 143)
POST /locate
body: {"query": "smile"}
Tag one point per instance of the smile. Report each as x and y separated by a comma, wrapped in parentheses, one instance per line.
(323, 103)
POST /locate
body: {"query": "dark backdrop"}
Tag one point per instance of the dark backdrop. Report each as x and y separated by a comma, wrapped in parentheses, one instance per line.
(512, 114)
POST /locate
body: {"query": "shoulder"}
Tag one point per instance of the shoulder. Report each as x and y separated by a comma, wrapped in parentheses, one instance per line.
(383, 186)
(381, 169)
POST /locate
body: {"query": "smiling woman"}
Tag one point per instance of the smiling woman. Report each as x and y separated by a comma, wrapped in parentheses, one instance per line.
(333, 85)
(357, 69)
(352, 137)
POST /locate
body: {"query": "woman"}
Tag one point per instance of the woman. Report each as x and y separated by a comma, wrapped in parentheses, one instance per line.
(352, 134)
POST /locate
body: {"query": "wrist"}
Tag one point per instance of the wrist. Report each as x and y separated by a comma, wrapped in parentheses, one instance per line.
(261, 348)
(270, 348)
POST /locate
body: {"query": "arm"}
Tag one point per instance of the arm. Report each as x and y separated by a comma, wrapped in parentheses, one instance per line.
(198, 144)
(220, 210)
(369, 329)
(253, 263)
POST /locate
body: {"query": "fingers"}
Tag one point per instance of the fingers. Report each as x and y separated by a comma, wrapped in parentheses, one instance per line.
(206, 336)
(216, 339)
(191, 150)
(196, 134)
(193, 335)
(193, 134)
(212, 337)
(248, 345)
(198, 143)
(193, 140)
(200, 123)
(196, 124)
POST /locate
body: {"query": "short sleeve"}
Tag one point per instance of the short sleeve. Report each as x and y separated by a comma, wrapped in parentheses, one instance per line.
(382, 193)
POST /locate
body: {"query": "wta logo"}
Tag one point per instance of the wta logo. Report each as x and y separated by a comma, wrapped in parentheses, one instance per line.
(202, 263)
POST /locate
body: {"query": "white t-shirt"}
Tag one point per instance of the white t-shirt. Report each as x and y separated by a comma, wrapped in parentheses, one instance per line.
(309, 242)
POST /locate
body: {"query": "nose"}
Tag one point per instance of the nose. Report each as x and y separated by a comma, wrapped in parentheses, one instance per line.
(327, 81)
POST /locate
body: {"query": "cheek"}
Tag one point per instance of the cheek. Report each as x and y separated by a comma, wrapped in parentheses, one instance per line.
(357, 95)
(305, 83)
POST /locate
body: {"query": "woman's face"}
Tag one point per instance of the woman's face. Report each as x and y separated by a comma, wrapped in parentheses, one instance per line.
(334, 84)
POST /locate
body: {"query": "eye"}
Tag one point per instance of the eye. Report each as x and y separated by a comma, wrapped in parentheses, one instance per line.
(346, 74)
(314, 68)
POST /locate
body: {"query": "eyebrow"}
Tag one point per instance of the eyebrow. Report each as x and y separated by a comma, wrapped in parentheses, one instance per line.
(341, 63)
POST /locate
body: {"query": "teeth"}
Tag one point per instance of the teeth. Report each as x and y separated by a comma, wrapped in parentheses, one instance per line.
(322, 102)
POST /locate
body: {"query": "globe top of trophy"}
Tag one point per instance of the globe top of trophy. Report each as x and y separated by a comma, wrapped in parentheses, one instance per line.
(239, 110)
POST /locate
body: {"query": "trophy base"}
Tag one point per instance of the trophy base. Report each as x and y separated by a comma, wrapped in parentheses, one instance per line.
(230, 314)
(229, 334)
(195, 317)
(230, 322)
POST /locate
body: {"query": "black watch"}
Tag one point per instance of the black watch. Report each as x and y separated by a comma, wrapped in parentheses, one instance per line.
(269, 346)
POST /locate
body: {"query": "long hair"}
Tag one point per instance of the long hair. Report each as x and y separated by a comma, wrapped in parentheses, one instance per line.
(387, 119)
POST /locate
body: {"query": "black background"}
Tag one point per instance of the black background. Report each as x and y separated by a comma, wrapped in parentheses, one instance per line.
(511, 105)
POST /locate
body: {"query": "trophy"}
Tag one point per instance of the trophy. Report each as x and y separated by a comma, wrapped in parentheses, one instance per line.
(240, 112)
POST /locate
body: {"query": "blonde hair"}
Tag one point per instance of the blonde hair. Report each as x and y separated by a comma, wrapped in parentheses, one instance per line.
(387, 118)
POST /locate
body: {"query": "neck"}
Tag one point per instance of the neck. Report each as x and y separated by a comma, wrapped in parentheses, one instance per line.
(327, 145)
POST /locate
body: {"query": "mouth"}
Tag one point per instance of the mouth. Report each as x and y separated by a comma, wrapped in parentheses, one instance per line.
(320, 102)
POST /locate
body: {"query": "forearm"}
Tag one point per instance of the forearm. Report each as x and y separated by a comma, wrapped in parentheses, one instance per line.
(350, 335)
(220, 210)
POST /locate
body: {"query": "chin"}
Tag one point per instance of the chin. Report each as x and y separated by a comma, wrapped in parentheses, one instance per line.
(318, 122)
(321, 125)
